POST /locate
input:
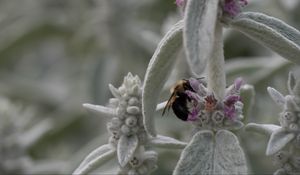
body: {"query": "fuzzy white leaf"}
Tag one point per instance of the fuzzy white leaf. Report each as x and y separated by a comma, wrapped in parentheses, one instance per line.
(102, 110)
(157, 72)
(127, 145)
(266, 129)
(271, 32)
(291, 103)
(279, 139)
(294, 85)
(229, 157)
(167, 142)
(93, 155)
(234, 125)
(280, 171)
(94, 160)
(212, 154)
(199, 28)
(277, 97)
(197, 157)
(115, 92)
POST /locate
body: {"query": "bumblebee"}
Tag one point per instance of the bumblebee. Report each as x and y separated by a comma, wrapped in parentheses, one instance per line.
(179, 99)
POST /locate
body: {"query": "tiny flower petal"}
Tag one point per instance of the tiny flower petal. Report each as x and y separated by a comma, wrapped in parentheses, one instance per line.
(193, 115)
(231, 100)
(238, 83)
(194, 84)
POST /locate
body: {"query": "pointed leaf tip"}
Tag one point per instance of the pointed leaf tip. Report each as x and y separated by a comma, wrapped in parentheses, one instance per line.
(266, 129)
(115, 92)
(167, 142)
(278, 140)
(277, 97)
(102, 110)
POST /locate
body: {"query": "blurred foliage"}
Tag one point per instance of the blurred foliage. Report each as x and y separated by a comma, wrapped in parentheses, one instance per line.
(56, 55)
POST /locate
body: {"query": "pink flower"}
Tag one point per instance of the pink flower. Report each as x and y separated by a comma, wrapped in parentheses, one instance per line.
(238, 83)
(233, 7)
(229, 108)
(180, 3)
(193, 115)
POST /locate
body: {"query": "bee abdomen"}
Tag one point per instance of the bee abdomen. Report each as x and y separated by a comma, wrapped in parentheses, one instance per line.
(179, 107)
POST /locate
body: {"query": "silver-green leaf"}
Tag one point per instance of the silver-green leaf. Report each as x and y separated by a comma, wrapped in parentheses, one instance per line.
(279, 139)
(229, 157)
(271, 32)
(157, 72)
(167, 142)
(277, 97)
(200, 20)
(95, 159)
(266, 129)
(127, 145)
(197, 157)
(212, 154)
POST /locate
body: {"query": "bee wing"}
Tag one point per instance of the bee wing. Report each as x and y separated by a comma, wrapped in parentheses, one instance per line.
(169, 103)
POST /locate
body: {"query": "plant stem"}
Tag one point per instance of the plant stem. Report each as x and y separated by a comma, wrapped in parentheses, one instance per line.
(215, 66)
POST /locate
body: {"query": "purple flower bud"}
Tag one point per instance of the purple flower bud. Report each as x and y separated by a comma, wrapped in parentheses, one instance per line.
(238, 83)
(192, 95)
(193, 115)
(231, 100)
(180, 3)
(233, 7)
(229, 112)
(229, 108)
(194, 84)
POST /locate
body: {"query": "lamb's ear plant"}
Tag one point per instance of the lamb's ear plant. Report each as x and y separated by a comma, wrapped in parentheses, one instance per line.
(129, 141)
(213, 109)
(284, 139)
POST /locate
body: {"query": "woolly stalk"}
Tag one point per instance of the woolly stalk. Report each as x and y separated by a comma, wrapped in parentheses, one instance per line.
(215, 66)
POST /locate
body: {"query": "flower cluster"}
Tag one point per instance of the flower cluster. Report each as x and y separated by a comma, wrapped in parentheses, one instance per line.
(289, 129)
(143, 162)
(128, 123)
(207, 111)
(289, 118)
(284, 142)
(129, 141)
(128, 119)
(233, 7)
(289, 163)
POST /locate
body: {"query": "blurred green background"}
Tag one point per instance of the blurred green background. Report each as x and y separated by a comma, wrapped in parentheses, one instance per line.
(57, 54)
